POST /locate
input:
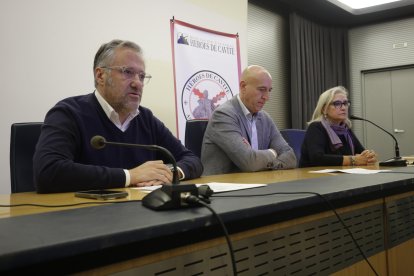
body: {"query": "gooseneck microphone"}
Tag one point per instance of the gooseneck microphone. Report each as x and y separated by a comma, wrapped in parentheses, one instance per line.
(99, 142)
(169, 196)
(397, 161)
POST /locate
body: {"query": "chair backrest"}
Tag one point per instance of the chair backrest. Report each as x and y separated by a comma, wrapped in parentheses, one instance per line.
(23, 140)
(194, 133)
(294, 137)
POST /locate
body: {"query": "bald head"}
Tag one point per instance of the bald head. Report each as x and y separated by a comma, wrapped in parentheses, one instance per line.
(254, 71)
(255, 87)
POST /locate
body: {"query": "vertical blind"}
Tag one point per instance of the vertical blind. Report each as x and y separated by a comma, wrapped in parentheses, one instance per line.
(268, 46)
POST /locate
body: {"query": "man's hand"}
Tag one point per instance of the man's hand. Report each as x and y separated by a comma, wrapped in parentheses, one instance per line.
(150, 173)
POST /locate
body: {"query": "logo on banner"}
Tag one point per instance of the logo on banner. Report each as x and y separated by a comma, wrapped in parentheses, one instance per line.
(203, 93)
(204, 44)
(182, 39)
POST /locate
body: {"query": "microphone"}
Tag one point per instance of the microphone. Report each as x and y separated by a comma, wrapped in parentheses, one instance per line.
(168, 196)
(99, 142)
(397, 161)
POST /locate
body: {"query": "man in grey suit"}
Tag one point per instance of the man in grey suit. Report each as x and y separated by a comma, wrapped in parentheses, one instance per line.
(240, 136)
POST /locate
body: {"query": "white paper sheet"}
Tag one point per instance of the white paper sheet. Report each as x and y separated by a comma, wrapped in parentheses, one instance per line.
(217, 187)
(351, 171)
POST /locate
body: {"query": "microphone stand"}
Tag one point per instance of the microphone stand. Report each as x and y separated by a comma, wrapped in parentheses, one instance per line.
(396, 161)
(169, 196)
(165, 152)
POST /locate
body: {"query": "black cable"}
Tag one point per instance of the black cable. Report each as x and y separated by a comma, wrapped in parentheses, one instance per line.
(195, 200)
(67, 205)
(331, 207)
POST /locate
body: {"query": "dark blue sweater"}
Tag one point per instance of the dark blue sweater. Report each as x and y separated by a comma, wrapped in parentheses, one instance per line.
(65, 161)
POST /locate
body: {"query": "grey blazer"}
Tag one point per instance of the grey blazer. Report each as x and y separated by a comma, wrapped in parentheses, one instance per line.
(226, 144)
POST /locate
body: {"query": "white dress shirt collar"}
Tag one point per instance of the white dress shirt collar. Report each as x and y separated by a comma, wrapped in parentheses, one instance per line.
(113, 115)
(246, 112)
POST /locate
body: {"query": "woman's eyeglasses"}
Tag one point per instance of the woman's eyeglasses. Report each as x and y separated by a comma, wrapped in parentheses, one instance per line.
(339, 104)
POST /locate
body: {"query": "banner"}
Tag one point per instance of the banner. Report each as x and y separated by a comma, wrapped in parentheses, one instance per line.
(206, 71)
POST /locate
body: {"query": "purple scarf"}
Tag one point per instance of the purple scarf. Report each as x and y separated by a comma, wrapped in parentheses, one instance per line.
(333, 132)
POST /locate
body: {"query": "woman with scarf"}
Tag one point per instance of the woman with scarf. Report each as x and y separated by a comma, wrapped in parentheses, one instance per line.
(329, 140)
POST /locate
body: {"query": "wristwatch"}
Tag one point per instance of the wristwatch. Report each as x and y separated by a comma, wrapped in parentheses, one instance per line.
(170, 167)
(352, 160)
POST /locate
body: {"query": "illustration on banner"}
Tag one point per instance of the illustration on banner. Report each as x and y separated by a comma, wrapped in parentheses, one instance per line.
(202, 93)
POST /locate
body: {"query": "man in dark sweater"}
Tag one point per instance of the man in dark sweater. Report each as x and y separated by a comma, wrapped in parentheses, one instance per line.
(64, 159)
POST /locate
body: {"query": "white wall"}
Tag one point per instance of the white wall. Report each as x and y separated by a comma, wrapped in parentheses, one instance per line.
(47, 49)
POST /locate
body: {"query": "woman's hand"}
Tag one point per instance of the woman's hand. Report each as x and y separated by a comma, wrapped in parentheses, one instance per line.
(367, 157)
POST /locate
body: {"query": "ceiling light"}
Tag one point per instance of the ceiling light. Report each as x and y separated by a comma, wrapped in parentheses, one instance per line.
(360, 4)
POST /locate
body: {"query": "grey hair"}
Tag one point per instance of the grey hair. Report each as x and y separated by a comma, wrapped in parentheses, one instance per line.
(106, 52)
(325, 99)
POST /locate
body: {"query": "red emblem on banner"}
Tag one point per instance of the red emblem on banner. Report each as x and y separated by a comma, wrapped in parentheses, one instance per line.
(202, 93)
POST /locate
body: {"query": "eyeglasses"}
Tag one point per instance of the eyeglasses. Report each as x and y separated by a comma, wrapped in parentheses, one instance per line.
(129, 73)
(339, 104)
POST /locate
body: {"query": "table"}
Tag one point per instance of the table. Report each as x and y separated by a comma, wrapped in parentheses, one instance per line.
(276, 234)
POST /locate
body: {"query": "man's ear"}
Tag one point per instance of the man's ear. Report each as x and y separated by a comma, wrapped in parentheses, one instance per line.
(242, 85)
(99, 75)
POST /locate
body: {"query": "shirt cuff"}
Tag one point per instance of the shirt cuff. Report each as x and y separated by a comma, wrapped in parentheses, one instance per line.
(181, 172)
(127, 178)
(274, 152)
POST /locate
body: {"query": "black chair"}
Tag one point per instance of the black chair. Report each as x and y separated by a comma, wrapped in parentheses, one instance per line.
(23, 140)
(194, 133)
(294, 137)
